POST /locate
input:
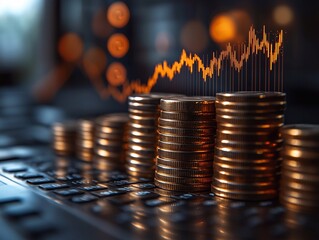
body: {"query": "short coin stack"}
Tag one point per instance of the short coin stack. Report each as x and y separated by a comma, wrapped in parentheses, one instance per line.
(186, 128)
(110, 141)
(300, 168)
(85, 140)
(142, 139)
(64, 136)
(248, 143)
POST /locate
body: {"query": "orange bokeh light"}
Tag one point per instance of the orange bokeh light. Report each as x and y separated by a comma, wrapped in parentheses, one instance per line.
(118, 45)
(118, 14)
(70, 47)
(94, 62)
(222, 29)
(116, 74)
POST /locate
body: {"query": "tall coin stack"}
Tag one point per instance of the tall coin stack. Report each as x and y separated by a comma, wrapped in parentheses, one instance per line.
(85, 140)
(300, 168)
(186, 128)
(64, 136)
(248, 143)
(110, 142)
(142, 139)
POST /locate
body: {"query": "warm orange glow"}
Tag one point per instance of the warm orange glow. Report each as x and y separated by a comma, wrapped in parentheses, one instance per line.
(118, 14)
(162, 42)
(222, 29)
(194, 37)
(118, 45)
(70, 47)
(283, 15)
(94, 62)
(116, 74)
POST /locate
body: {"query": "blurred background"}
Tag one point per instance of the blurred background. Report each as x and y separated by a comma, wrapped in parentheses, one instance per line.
(67, 54)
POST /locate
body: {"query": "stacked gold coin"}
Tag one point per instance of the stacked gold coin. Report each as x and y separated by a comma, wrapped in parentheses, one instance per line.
(300, 168)
(110, 142)
(85, 140)
(142, 140)
(186, 128)
(64, 136)
(248, 143)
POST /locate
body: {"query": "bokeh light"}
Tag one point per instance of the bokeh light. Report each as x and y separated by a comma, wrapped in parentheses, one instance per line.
(231, 26)
(222, 29)
(118, 45)
(162, 42)
(283, 15)
(118, 14)
(194, 36)
(94, 62)
(116, 74)
(70, 47)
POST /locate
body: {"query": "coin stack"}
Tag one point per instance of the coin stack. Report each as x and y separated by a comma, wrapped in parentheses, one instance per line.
(64, 136)
(110, 142)
(248, 143)
(142, 139)
(85, 140)
(186, 128)
(300, 168)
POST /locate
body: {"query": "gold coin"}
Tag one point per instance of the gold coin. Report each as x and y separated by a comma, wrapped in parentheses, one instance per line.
(188, 104)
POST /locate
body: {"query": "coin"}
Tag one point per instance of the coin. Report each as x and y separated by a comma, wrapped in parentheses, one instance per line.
(188, 116)
(181, 187)
(184, 163)
(205, 132)
(188, 104)
(250, 96)
(195, 156)
(182, 172)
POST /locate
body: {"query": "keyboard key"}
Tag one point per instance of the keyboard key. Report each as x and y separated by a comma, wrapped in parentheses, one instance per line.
(10, 200)
(121, 200)
(83, 199)
(53, 186)
(68, 192)
(107, 193)
(144, 185)
(28, 175)
(185, 196)
(37, 228)
(37, 181)
(124, 189)
(20, 211)
(144, 195)
(158, 202)
(93, 187)
(14, 169)
(72, 177)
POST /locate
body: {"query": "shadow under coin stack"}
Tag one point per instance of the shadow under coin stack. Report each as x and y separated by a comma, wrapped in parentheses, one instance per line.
(248, 143)
(85, 140)
(64, 137)
(300, 168)
(186, 128)
(142, 139)
(110, 142)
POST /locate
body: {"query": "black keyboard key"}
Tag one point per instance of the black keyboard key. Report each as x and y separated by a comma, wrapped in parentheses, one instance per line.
(37, 181)
(15, 169)
(93, 187)
(68, 192)
(107, 193)
(144, 195)
(72, 177)
(144, 185)
(158, 202)
(37, 228)
(185, 196)
(28, 175)
(19, 212)
(5, 201)
(53, 186)
(121, 200)
(86, 198)
(124, 189)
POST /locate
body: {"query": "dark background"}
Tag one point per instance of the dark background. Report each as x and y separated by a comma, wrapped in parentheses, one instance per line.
(30, 31)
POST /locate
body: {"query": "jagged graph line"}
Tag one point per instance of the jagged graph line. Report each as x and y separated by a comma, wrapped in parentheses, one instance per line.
(237, 59)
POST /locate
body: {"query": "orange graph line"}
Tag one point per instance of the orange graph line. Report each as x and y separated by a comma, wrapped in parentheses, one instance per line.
(254, 46)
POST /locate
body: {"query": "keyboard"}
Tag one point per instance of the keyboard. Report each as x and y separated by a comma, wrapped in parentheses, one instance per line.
(43, 196)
